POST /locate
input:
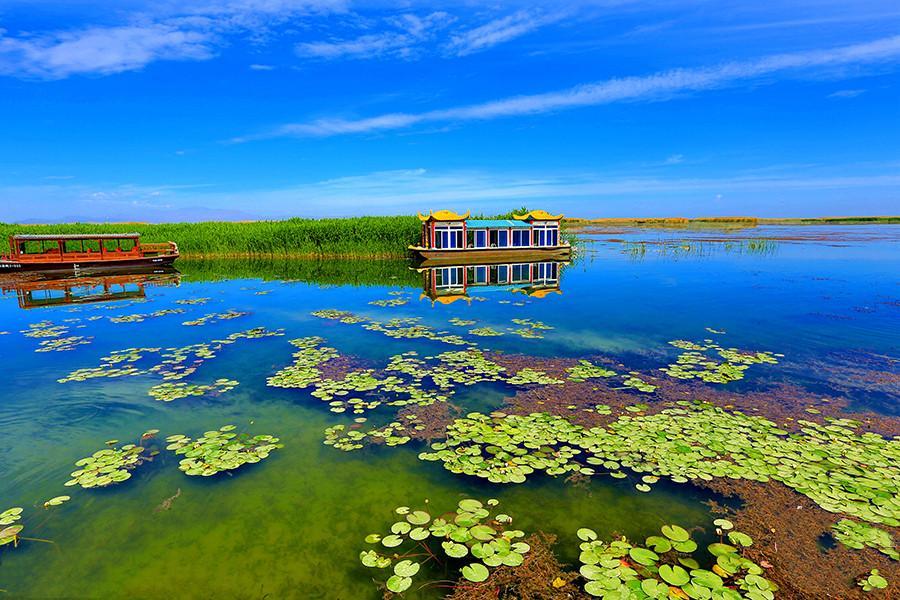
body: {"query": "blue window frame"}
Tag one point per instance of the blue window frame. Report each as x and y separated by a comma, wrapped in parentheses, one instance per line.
(521, 237)
(502, 238)
(480, 238)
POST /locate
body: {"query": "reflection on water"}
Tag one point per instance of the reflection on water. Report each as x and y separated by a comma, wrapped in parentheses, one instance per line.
(447, 284)
(293, 525)
(47, 290)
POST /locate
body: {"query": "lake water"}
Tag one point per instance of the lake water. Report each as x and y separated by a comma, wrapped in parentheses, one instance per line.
(292, 526)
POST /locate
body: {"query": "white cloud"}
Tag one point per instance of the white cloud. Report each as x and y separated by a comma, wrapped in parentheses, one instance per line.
(499, 31)
(409, 31)
(675, 159)
(846, 93)
(655, 87)
(191, 30)
(258, 67)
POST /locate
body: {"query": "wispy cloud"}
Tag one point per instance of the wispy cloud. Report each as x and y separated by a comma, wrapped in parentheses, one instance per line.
(188, 31)
(846, 93)
(258, 67)
(408, 31)
(655, 87)
(499, 31)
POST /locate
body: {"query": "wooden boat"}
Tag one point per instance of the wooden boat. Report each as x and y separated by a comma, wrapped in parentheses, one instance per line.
(84, 252)
(455, 239)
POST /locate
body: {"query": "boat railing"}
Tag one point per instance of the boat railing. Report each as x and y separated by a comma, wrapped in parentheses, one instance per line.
(160, 248)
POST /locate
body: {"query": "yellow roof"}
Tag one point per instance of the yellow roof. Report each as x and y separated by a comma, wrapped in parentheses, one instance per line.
(538, 293)
(445, 299)
(443, 215)
(537, 215)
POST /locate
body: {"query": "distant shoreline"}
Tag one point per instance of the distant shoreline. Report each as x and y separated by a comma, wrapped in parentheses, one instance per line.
(737, 221)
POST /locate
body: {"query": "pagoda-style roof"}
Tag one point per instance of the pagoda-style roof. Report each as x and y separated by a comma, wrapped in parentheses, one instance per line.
(537, 215)
(443, 215)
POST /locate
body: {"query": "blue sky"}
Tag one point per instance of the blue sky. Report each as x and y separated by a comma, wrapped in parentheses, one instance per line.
(159, 111)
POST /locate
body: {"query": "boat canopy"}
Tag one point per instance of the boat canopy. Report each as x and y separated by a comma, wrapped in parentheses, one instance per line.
(36, 237)
(538, 215)
(495, 224)
(443, 215)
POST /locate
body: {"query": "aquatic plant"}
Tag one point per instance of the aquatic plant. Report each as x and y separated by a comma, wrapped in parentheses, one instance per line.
(859, 535)
(44, 329)
(141, 317)
(9, 531)
(307, 360)
(63, 344)
(840, 470)
(461, 322)
(172, 364)
(868, 582)
(213, 317)
(633, 381)
(585, 369)
(56, 501)
(696, 361)
(108, 466)
(485, 332)
(529, 376)
(666, 567)
(469, 534)
(167, 392)
(220, 450)
(390, 302)
(531, 324)
(393, 434)
(193, 301)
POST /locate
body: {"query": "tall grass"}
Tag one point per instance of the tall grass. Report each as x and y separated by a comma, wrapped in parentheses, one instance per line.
(352, 237)
(324, 271)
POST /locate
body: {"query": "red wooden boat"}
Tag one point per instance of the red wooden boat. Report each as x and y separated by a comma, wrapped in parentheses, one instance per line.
(84, 252)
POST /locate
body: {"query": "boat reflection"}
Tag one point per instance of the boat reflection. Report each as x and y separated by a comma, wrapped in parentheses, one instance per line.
(38, 291)
(447, 284)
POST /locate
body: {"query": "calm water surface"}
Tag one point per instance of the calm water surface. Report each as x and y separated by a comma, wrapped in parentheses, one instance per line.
(292, 525)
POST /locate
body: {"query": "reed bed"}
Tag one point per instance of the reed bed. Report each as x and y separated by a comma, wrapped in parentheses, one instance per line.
(351, 237)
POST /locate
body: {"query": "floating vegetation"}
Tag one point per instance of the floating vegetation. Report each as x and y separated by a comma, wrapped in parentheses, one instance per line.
(213, 317)
(585, 369)
(667, 567)
(868, 582)
(220, 450)
(167, 392)
(697, 361)
(404, 328)
(390, 302)
(470, 536)
(529, 376)
(840, 470)
(193, 301)
(108, 466)
(141, 317)
(63, 344)
(9, 531)
(461, 322)
(57, 501)
(44, 329)
(307, 360)
(172, 364)
(529, 329)
(859, 535)
(485, 332)
(633, 381)
(395, 433)
(531, 324)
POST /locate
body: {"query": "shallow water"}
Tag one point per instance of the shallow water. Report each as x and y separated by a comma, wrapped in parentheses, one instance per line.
(292, 525)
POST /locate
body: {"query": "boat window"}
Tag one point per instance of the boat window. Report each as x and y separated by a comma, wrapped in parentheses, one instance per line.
(502, 238)
(480, 274)
(448, 277)
(481, 238)
(521, 237)
(502, 273)
(521, 273)
(448, 238)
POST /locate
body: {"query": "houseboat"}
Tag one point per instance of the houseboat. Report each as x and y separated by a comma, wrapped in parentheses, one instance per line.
(451, 238)
(84, 252)
(450, 283)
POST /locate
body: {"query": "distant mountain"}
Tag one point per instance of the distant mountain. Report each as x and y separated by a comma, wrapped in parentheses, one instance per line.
(149, 215)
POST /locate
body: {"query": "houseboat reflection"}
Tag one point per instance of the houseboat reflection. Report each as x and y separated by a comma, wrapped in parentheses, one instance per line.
(44, 291)
(448, 284)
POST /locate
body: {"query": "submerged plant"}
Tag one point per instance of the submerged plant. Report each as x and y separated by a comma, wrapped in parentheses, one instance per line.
(666, 567)
(468, 536)
(220, 450)
(108, 466)
(859, 535)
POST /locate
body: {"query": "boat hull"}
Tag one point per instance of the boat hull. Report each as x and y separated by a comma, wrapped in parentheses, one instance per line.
(11, 266)
(487, 256)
